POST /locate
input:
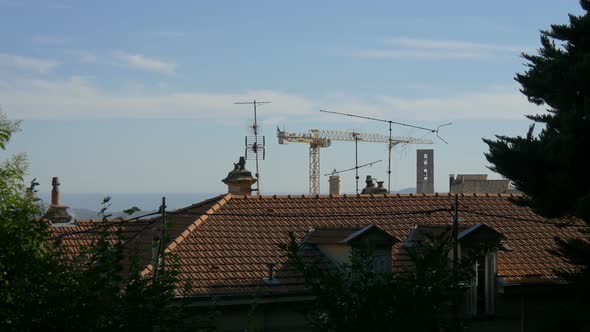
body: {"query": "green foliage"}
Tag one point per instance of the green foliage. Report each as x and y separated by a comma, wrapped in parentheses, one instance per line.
(356, 298)
(551, 168)
(7, 128)
(43, 289)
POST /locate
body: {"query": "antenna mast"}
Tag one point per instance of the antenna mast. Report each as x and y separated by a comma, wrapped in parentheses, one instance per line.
(391, 140)
(253, 143)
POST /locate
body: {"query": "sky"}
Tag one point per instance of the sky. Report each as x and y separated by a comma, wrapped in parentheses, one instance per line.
(138, 96)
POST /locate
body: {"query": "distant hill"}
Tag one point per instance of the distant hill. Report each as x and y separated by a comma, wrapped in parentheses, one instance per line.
(410, 190)
(87, 214)
(122, 201)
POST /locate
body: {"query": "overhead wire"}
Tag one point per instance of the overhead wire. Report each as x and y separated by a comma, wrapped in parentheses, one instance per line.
(108, 224)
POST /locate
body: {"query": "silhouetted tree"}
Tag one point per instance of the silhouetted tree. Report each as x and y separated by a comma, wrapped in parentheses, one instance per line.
(552, 167)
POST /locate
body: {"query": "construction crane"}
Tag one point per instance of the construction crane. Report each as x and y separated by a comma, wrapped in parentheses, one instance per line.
(318, 138)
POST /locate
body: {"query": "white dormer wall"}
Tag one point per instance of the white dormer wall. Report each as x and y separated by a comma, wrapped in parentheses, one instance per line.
(337, 253)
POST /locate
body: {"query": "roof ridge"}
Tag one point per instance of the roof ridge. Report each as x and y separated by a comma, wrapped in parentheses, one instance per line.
(173, 244)
(349, 195)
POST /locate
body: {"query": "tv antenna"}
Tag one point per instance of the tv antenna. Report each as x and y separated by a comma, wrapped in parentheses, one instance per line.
(253, 143)
(390, 122)
(356, 169)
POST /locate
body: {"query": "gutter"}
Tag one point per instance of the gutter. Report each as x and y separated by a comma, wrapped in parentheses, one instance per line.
(244, 299)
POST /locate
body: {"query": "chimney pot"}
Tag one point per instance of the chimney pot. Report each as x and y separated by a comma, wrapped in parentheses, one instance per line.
(240, 180)
(55, 195)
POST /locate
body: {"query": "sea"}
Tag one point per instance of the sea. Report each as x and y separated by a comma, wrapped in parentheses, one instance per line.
(87, 205)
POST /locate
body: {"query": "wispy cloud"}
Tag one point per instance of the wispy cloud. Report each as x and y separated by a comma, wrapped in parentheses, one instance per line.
(77, 97)
(142, 62)
(499, 103)
(42, 66)
(82, 56)
(403, 47)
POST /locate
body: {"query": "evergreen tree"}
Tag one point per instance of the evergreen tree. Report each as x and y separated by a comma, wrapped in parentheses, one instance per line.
(552, 167)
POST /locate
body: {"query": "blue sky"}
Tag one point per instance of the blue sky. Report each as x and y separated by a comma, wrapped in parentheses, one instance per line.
(136, 96)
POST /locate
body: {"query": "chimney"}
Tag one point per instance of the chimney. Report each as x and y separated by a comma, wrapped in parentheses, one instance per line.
(239, 180)
(370, 185)
(55, 199)
(371, 189)
(57, 214)
(451, 180)
(334, 182)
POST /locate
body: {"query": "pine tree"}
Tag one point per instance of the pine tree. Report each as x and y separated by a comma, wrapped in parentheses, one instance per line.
(552, 167)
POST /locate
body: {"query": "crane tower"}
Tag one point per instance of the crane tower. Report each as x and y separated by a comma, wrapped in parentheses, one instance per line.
(318, 138)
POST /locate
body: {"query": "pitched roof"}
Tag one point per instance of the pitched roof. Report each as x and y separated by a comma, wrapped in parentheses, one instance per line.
(223, 246)
(227, 249)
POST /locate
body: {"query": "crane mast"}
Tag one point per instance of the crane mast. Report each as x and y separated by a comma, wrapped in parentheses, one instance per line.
(318, 138)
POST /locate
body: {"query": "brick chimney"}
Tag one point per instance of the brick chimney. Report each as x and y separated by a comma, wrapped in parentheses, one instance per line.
(57, 214)
(239, 180)
(334, 182)
(55, 197)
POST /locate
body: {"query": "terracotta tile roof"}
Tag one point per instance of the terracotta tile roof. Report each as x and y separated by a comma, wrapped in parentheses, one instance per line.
(137, 234)
(224, 244)
(226, 250)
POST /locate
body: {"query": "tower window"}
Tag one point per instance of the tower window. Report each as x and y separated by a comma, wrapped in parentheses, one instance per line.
(425, 159)
(425, 174)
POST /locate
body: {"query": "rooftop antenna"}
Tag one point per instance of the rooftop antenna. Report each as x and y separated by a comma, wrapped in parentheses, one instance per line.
(334, 172)
(390, 122)
(253, 143)
(356, 169)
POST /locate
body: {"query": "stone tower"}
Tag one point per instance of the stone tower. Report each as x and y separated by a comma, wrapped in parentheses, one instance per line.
(424, 171)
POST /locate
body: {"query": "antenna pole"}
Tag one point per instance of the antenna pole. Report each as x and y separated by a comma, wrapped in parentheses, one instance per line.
(356, 161)
(456, 320)
(255, 145)
(389, 165)
(256, 150)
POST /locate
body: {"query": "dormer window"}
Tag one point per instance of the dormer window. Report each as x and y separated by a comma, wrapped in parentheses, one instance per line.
(478, 240)
(337, 244)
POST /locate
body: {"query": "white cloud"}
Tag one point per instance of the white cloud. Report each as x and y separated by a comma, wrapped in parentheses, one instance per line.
(505, 103)
(447, 44)
(82, 56)
(403, 47)
(42, 66)
(78, 98)
(141, 62)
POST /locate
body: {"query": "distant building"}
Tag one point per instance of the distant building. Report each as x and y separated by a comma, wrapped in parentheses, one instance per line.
(479, 183)
(425, 171)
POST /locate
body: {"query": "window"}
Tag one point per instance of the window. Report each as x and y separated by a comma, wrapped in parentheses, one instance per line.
(381, 264)
(425, 174)
(425, 159)
(481, 297)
